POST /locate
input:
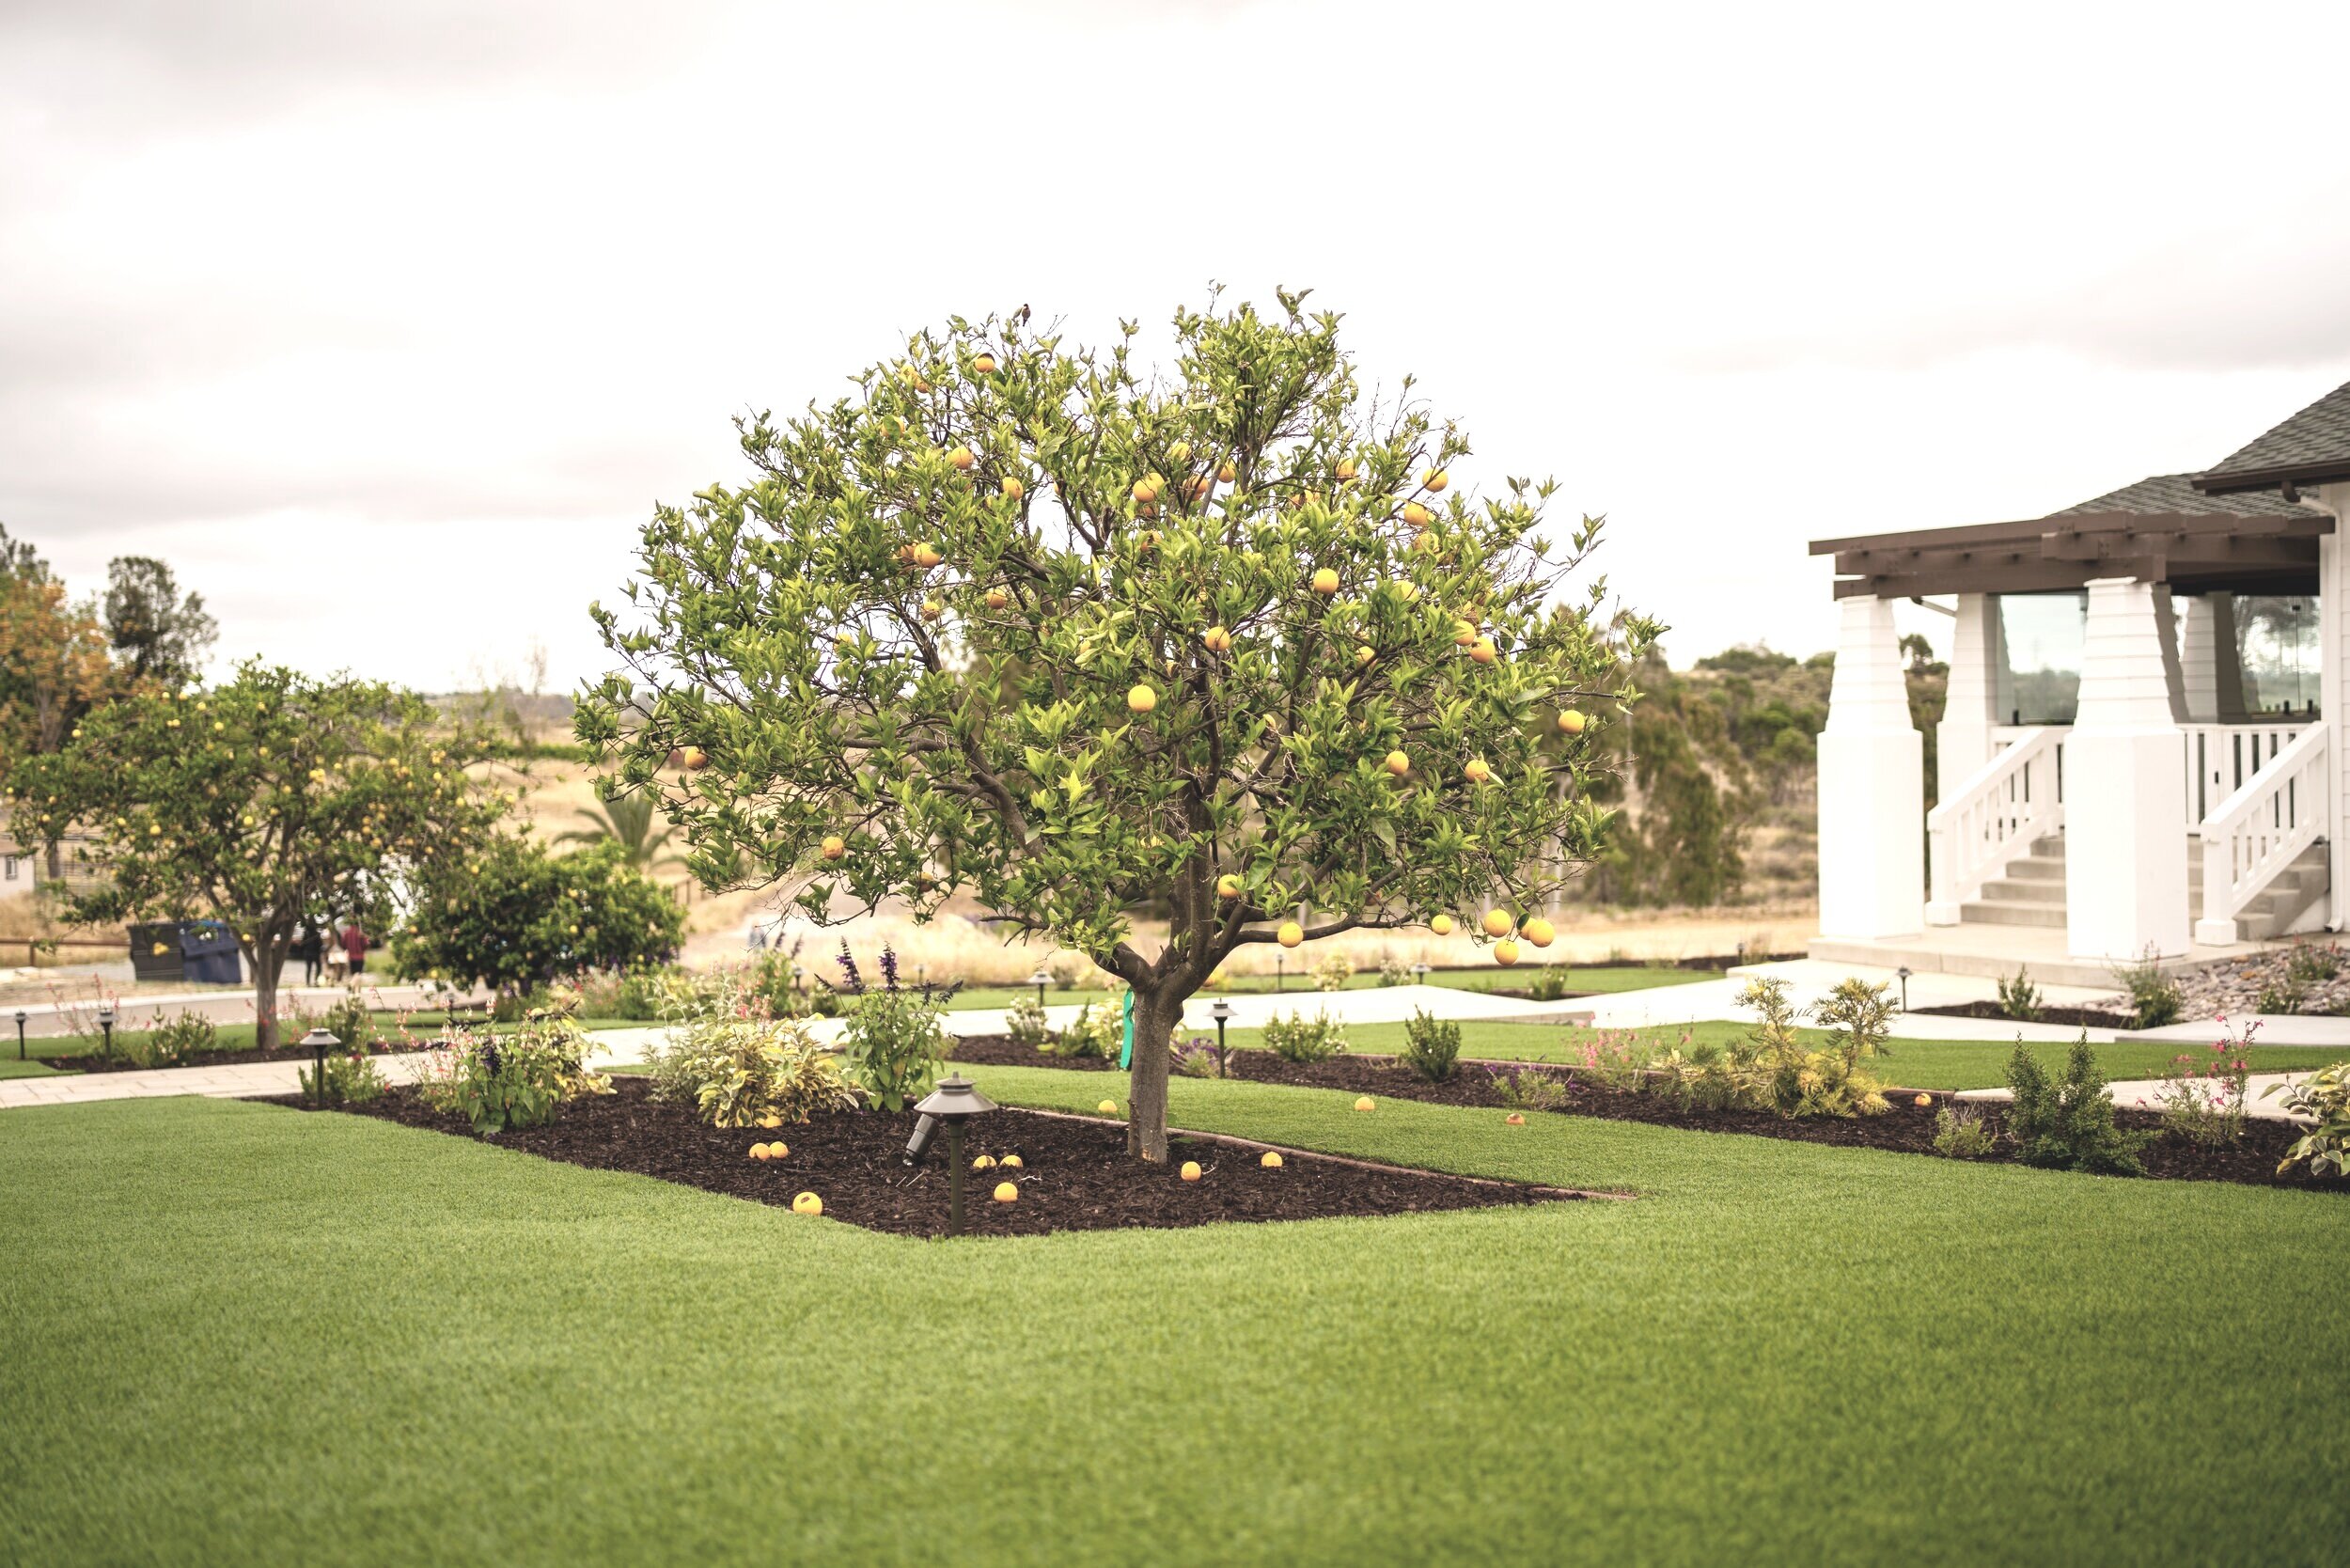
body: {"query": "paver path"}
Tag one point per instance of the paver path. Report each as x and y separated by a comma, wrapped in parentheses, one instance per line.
(2146, 1094)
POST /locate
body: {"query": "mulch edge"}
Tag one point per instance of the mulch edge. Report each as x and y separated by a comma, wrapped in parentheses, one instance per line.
(1286, 1151)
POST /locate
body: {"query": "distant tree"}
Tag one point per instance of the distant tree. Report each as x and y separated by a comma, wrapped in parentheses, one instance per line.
(513, 917)
(158, 633)
(261, 802)
(1920, 650)
(52, 663)
(628, 824)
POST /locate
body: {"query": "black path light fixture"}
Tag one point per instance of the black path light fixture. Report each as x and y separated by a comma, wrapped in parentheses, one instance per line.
(1420, 973)
(107, 1028)
(951, 1104)
(20, 1034)
(1903, 973)
(320, 1042)
(1222, 1013)
(1280, 960)
(1039, 980)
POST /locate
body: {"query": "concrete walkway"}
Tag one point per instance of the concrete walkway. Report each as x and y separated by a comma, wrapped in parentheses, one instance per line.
(221, 1004)
(2146, 1094)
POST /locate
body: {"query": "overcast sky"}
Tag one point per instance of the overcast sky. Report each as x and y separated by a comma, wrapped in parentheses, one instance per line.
(386, 323)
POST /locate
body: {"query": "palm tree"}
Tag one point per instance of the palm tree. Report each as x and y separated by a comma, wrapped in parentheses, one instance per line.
(628, 822)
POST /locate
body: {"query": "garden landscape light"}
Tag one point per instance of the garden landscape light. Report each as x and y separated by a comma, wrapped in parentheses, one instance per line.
(106, 1027)
(319, 1042)
(1903, 973)
(20, 1034)
(1222, 1013)
(1419, 974)
(1038, 980)
(953, 1103)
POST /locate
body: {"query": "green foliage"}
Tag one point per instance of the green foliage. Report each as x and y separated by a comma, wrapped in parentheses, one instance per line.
(2324, 1097)
(170, 1044)
(513, 917)
(2313, 963)
(2067, 1123)
(262, 802)
(1024, 1022)
(1529, 1088)
(1099, 1030)
(1295, 1037)
(350, 1021)
(893, 1044)
(1962, 1133)
(2154, 998)
(915, 629)
(1432, 1046)
(350, 1078)
(2203, 1100)
(1792, 1079)
(1548, 983)
(2019, 998)
(762, 1073)
(515, 1080)
(158, 633)
(1393, 971)
(627, 822)
(1333, 972)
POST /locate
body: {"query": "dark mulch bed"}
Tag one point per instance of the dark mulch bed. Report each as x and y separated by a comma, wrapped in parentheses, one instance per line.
(1906, 1128)
(2072, 1017)
(1078, 1174)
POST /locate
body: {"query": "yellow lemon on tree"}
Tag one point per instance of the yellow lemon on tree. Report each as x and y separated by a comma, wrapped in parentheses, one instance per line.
(1272, 1160)
(1434, 480)
(1538, 932)
(961, 457)
(1291, 933)
(1216, 639)
(694, 759)
(1325, 581)
(1013, 488)
(984, 365)
(1571, 721)
(807, 1204)
(1108, 1107)
(1482, 651)
(1364, 1103)
(1441, 925)
(1228, 887)
(926, 554)
(1006, 1193)
(1364, 654)
(1418, 515)
(997, 599)
(1179, 453)
(1142, 699)
(834, 847)
(1191, 1170)
(1398, 763)
(1477, 770)
(1226, 473)
(1505, 953)
(1463, 633)
(1497, 922)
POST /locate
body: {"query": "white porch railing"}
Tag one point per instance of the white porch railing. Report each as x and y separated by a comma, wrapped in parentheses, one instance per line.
(2259, 829)
(2222, 758)
(1991, 818)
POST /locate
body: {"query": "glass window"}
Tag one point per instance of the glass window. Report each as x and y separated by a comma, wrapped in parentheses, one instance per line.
(2275, 648)
(2041, 638)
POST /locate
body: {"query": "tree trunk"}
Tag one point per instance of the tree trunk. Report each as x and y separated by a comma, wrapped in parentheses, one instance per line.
(264, 999)
(1156, 1018)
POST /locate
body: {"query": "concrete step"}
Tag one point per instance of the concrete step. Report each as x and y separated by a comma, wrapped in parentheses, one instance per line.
(1984, 913)
(2024, 890)
(2037, 867)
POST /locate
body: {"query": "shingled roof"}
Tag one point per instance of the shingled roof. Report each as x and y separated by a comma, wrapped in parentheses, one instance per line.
(2175, 495)
(2311, 448)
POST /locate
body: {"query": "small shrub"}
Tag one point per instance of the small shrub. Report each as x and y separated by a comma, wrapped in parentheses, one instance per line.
(519, 1080)
(2067, 1123)
(1963, 1131)
(1622, 1062)
(170, 1044)
(349, 1021)
(2324, 1096)
(2313, 963)
(1024, 1022)
(2019, 998)
(1548, 984)
(1432, 1046)
(2275, 998)
(1064, 973)
(1393, 971)
(1196, 1058)
(1333, 972)
(2154, 998)
(1529, 1088)
(763, 1070)
(1294, 1036)
(351, 1078)
(893, 1045)
(1098, 1031)
(1774, 1067)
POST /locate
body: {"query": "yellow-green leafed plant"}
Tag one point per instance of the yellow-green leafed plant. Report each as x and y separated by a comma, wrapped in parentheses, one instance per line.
(1064, 631)
(1781, 1074)
(2326, 1095)
(752, 1069)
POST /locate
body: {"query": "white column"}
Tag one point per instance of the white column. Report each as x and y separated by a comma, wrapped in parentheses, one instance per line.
(1873, 771)
(2333, 645)
(2199, 655)
(1963, 739)
(2125, 785)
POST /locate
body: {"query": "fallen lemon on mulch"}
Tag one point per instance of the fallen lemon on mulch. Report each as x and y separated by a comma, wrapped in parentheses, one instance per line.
(1005, 1192)
(985, 1162)
(1108, 1107)
(1012, 1162)
(1191, 1170)
(770, 1123)
(1924, 1100)
(1364, 1101)
(807, 1204)
(1515, 1118)
(1272, 1160)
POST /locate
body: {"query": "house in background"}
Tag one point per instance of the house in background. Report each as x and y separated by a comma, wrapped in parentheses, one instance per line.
(2137, 754)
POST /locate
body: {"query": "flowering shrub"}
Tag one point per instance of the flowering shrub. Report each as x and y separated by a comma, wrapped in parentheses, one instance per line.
(350, 1078)
(1294, 1036)
(1623, 1062)
(168, 1044)
(1333, 973)
(1024, 1022)
(2203, 1100)
(2323, 1095)
(894, 1042)
(518, 1080)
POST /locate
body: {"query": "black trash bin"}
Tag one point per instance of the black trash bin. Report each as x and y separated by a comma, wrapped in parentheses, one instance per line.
(208, 953)
(155, 951)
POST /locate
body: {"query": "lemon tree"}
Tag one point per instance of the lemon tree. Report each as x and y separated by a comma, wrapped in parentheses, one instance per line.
(1227, 646)
(513, 917)
(268, 800)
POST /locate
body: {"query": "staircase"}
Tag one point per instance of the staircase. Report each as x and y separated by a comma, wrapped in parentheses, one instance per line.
(2029, 891)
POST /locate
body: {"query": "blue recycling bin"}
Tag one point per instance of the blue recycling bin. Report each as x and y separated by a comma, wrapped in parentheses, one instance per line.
(208, 953)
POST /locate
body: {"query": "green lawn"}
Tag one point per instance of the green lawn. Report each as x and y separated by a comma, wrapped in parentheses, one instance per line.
(1578, 977)
(239, 1037)
(11, 1068)
(1914, 1063)
(349, 1343)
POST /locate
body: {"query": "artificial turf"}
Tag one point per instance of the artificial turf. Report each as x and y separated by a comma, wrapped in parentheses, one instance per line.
(239, 1333)
(1912, 1063)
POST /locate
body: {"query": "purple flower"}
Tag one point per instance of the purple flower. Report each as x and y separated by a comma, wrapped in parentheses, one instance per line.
(889, 967)
(848, 967)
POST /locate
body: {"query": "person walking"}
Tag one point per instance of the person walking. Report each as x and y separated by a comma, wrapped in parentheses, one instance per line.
(356, 949)
(310, 946)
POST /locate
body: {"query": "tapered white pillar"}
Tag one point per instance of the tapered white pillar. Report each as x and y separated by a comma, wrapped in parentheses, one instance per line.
(2125, 785)
(1872, 771)
(1962, 742)
(2211, 678)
